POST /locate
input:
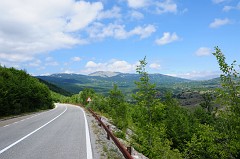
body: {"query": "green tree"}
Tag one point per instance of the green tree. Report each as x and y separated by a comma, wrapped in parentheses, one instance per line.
(87, 92)
(119, 107)
(145, 96)
(230, 82)
(20, 93)
(229, 118)
(149, 113)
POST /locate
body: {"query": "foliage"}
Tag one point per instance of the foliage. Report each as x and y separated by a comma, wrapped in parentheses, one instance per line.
(85, 94)
(230, 82)
(20, 93)
(55, 88)
(163, 129)
(151, 130)
(119, 107)
(207, 102)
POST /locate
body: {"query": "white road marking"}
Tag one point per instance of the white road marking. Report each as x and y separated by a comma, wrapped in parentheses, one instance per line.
(8, 147)
(88, 142)
(29, 117)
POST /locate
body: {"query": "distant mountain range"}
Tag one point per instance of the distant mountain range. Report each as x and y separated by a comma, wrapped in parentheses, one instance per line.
(104, 74)
(102, 81)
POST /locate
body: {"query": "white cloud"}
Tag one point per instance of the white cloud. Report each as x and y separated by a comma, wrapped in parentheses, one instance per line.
(158, 7)
(197, 75)
(91, 64)
(143, 32)
(166, 6)
(117, 31)
(35, 63)
(219, 22)
(112, 65)
(228, 8)
(155, 66)
(76, 59)
(68, 71)
(52, 63)
(49, 59)
(203, 51)
(15, 57)
(113, 13)
(33, 27)
(137, 3)
(219, 1)
(136, 15)
(167, 38)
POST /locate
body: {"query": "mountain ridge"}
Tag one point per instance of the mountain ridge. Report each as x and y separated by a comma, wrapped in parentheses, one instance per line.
(101, 82)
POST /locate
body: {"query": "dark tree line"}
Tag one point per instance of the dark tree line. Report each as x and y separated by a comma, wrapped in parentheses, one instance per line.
(20, 93)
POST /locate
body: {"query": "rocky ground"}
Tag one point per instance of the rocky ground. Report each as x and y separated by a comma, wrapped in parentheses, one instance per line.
(102, 147)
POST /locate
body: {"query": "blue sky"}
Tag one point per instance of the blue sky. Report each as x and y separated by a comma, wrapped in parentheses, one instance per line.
(67, 36)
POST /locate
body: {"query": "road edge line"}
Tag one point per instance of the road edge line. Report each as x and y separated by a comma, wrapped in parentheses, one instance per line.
(88, 142)
(16, 142)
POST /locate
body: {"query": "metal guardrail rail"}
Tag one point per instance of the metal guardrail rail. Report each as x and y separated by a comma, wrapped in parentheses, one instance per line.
(124, 151)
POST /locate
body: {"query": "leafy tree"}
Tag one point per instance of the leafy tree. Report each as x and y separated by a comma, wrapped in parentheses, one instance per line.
(87, 92)
(207, 143)
(149, 114)
(20, 93)
(145, 96)
(119, 107)
(207, 102)
(230, 82)
(229, 119)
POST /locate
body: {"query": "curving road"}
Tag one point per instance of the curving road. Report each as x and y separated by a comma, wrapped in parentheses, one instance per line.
(61, 133)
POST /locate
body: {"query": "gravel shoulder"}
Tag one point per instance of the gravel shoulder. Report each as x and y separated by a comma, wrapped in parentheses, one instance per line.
(101, 146)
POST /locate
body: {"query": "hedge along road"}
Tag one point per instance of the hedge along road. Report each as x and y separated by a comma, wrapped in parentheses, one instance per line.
(60, 133)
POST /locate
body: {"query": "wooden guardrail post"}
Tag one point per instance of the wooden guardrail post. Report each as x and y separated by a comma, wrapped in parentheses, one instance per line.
(108, 136)
(129, 149)
(99, 123)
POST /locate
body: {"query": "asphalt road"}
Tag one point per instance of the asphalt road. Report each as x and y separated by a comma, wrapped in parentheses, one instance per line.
(61, 133)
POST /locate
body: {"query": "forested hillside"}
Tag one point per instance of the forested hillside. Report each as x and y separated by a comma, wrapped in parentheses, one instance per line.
(20, 93)
(75, 83)
(55, 88)
(164, 129)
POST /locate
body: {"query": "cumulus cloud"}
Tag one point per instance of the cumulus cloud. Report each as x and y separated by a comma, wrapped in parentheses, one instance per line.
(203, 51)
(167, 38)
(160, 7)
(166, 6)
(76, 59)
(112, 65)
(197, 75)
(118, 31)
(109, 14)
(136, 15)
(52, 63)
(138, 3)
(35, 63)
(219, 22)
(49, 61)
(33, 27)
(228, 8)
(155, 66)
(219, 1)
(15, 57)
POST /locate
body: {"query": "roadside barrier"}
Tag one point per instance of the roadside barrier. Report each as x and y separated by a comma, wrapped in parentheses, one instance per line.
(125, 151)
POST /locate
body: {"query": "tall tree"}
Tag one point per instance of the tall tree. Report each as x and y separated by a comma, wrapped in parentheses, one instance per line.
(119, 107)
(146, 95)
(149, 114)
